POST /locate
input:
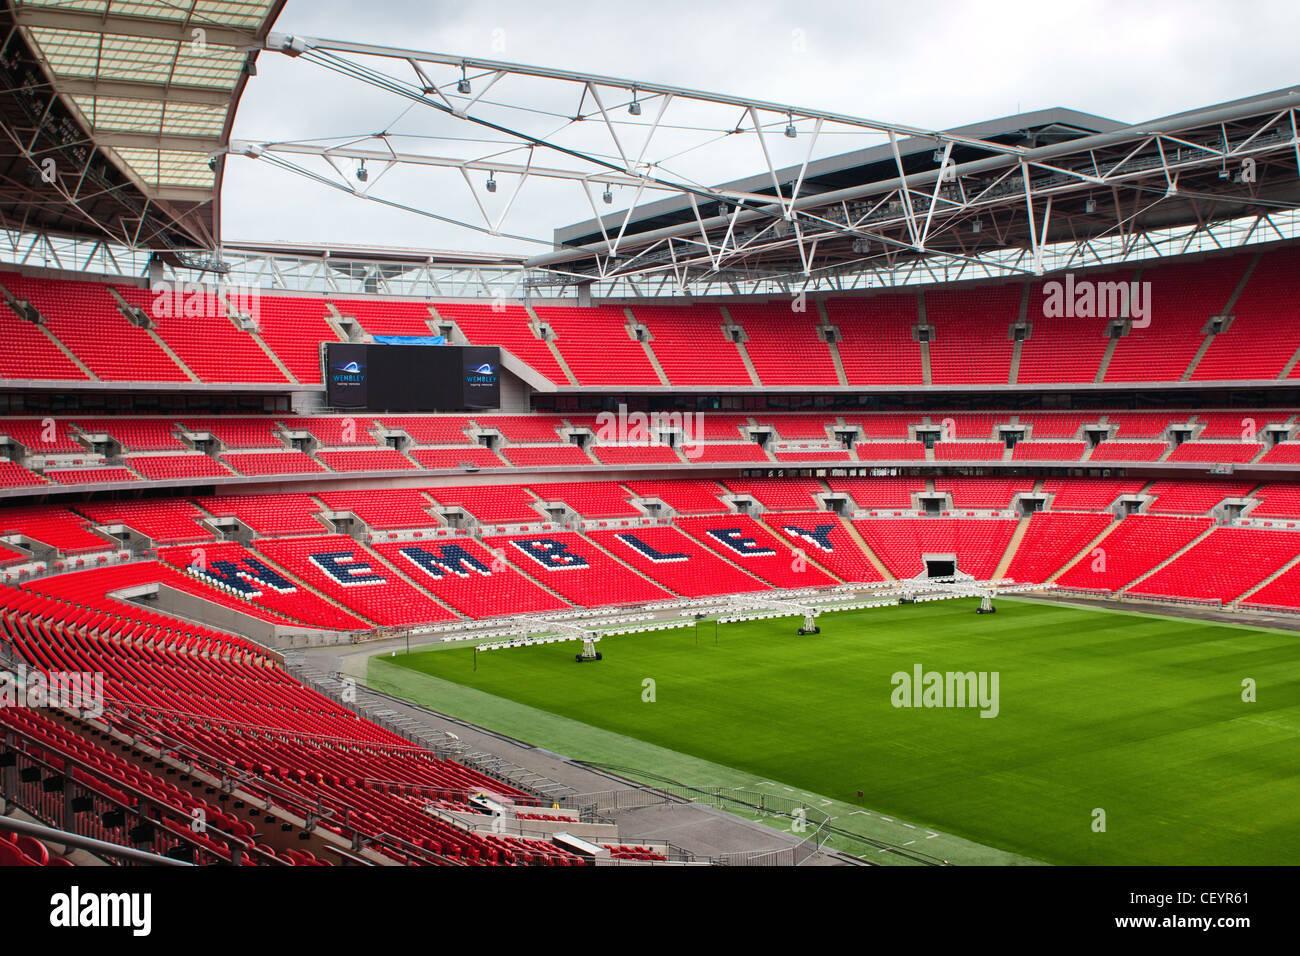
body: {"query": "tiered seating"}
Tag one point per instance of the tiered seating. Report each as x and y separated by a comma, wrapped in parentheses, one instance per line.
(872, 493)
(14, 475)
(683, 495)
(1144, 424)
(272, 463)
(714, 452)
(1216, 452)
(524, 429)
(1276, 501)
(1049, 451)
(268, 514)
(238, 432)
(135, 434)
(333, 431)
(41, 436)
(385, 508)
(982, 492)
(1128, 451)
(1138, 544)
(88, 476)
(824, 539)
(574, 568)
(1048, 425)
(206, 339)
(165, 521)
(1194, 497)
(338, 566)
(508, 327)
(637, 454)
(499, 504)
(690, 345)
(969, 450)
(1089, 494)
(746, 543)
(1283, 591)
(675, 561)
(801, 453)
(889, 451)
(783, 344)
(461, 572)
(377, 459)
(1265, 333)
(972, 341)
(172, 467)
(243, 718)
(1051, 541)
(779, 494)
(388, 317)
(56, 527)
(85, 318)
(431, 429)
(30, 354)
(294, 328)
(1063, 349)
(876, 344)
(901, 543)
(442, 458)
(1222, 566)
(591, 499)
(883, 425)
(1182, 300)
(597, 347)
(545, 456)
(1243, 426)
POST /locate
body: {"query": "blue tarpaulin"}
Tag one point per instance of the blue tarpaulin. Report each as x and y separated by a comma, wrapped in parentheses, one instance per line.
(411, 339)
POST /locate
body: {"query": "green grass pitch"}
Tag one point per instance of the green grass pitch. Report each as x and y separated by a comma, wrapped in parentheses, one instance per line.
(1136, 715)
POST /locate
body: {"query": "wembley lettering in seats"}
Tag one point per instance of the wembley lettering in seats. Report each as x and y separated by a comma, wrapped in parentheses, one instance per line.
(346, 570)
(550, 554)
(249, 583)
(451, 558)
(818, 536)
(736, 540)
(658, 557)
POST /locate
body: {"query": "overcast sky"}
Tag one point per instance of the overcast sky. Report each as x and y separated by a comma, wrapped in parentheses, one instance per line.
(933, 65)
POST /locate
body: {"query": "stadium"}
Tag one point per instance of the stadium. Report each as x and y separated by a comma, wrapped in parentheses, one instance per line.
(758, 486)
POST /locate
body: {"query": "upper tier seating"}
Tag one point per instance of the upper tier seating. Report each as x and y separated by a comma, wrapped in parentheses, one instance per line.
(691, 346)
(508, 327)
(597, 347)
(783, 344)
(876, 341)
(972, 339)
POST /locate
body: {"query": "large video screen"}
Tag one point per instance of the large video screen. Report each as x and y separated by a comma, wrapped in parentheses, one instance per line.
(412, 378)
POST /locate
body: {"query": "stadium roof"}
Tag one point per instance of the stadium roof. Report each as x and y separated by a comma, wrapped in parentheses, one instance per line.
(133, 100)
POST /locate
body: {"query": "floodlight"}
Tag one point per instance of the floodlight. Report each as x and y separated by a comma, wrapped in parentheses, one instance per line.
(790, 130)
(462, 85)
(1090, 206)
(607, 196)
(492, 182)
(362, 175)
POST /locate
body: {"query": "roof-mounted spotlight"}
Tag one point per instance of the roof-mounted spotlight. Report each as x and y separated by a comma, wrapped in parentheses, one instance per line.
(977, 225)
(937, 156)
(362, 175)
(861, 245)
(790, 130)
(1090, 206)
(462, 85)
(607, 196)
(1223, 173)
(634, 108)
(491, 181)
